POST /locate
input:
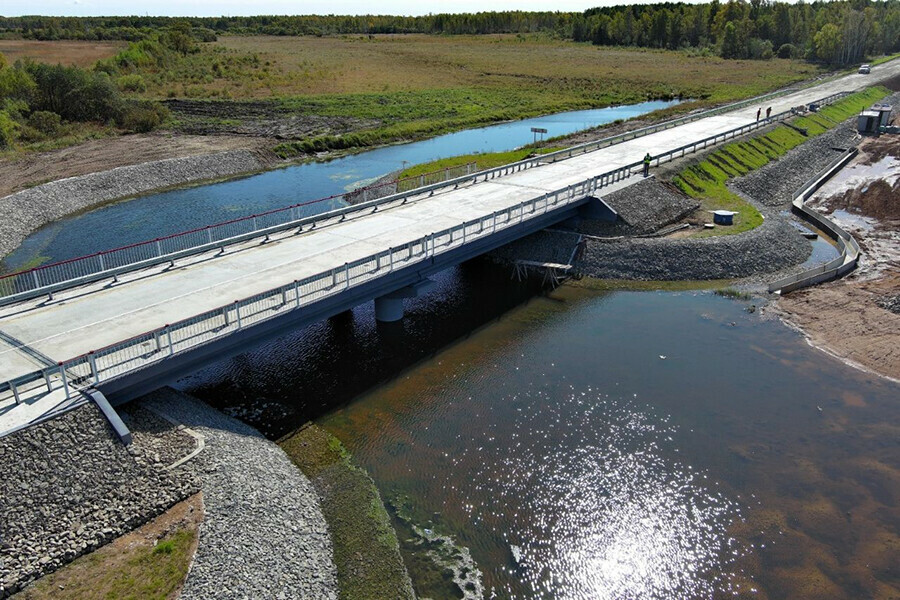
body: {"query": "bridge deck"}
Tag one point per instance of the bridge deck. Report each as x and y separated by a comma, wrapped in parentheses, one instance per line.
(83, 319)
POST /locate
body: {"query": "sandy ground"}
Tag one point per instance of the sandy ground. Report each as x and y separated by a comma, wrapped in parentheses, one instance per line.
(100, 155)
(845, 317)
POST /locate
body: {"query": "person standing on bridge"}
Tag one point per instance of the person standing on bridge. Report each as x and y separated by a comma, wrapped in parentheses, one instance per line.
(647, 160)
(758, 112)
(768, 112)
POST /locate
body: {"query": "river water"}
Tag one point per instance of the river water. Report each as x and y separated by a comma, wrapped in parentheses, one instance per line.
(625, 444)
(158, 215)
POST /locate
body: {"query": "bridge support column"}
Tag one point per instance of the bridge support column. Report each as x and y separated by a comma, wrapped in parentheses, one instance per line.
(389, 308)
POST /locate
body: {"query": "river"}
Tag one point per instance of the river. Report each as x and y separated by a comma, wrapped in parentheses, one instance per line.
(157, 215)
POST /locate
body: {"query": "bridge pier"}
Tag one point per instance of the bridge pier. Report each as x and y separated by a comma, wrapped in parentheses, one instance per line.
(389, 308)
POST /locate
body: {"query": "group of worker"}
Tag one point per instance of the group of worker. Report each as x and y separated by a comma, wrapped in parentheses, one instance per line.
(648, 159)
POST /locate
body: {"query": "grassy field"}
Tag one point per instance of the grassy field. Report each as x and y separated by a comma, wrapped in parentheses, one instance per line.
(707, 180)
(482, 161)
(66, 52)
(384, 88)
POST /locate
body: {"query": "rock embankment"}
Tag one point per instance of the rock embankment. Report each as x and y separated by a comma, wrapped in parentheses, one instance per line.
(773, 245)
(263, 535)
(644, 207)
(30, 209)
(69, 487)
(774, 184)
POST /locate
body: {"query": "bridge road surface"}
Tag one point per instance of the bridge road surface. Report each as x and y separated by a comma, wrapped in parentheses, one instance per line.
(37, 333)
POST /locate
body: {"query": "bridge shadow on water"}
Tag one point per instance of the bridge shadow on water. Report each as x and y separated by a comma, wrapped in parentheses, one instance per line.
(279, 385)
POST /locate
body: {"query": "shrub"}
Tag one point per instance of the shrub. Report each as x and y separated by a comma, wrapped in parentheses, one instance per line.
(787, 51)
(45, 122)
(75, 94)
(8, 129)
(3, 61)
(760, 49)
(143, 117)
(132, 83)
(16, 84)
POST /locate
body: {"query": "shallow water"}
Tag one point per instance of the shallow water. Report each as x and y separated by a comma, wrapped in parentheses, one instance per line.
(158, 215)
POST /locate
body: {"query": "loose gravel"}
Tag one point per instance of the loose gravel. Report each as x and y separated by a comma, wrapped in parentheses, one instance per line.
(28, 210)
(643, 208)
(890, 303)
(70, 486)
(264, 535)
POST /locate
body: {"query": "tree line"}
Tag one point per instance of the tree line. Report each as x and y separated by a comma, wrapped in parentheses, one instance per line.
(837, 32)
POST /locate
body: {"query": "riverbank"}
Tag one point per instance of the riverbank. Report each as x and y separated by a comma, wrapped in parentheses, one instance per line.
(857, 319)
(28, 210)
(366, 550)
(79, 488)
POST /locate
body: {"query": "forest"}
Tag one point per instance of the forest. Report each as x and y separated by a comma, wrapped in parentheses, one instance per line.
(841, 32)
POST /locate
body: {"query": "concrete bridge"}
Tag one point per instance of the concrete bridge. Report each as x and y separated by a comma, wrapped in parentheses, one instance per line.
(131, 320)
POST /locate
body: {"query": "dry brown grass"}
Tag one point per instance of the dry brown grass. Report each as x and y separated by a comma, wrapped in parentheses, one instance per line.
(81, 54)
(391, 63)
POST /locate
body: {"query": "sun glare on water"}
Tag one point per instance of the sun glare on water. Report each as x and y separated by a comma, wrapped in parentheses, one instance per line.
(606, 513)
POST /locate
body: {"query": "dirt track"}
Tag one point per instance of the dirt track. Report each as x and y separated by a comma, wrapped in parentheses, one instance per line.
(849, 318)
(101, 155)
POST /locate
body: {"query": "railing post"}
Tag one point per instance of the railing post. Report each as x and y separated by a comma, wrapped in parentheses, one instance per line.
(209, 234)
(102, 266)
(158, 249)
(169, 339)
(297, 292)
(346, 275)
(15, 391)
(37, 282)
(93, 362)
(391, 254)
(237, 312)
(65, 382)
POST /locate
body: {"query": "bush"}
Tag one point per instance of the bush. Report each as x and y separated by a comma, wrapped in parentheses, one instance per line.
(143, 117)
(16, 84)
(132, 83)
(760, 49)
(8, 129)
(46, 122)
(3, 61)
(788, 51)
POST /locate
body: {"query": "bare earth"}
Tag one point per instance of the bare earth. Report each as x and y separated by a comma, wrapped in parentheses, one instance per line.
(844, 317)
(100, 155)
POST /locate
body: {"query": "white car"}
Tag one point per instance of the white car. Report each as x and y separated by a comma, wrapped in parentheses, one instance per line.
(865, 69)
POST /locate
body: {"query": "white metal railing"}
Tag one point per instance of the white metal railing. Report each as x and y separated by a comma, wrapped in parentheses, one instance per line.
(46, 279)
(149, 347)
